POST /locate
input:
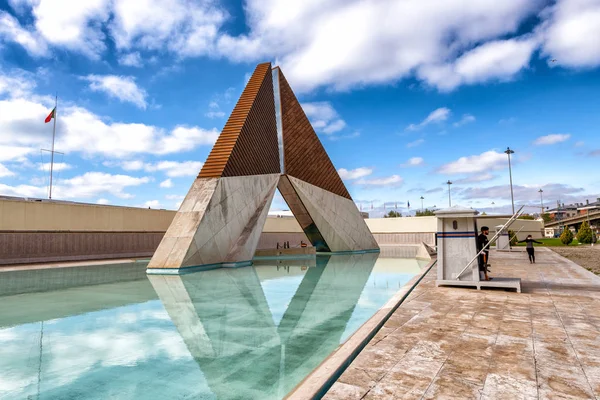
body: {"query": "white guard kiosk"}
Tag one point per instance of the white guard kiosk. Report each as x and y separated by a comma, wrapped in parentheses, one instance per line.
(457, 249)
(503, 241)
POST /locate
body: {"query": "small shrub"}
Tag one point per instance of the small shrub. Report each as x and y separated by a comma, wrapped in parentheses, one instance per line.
(585, 234)
(566, 237)
(513, 238)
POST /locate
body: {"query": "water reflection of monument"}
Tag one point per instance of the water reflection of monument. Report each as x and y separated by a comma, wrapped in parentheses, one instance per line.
(224, 318)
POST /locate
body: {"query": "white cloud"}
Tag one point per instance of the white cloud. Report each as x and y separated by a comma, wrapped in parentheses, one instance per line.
(103, 201)
(490, 160)
(352, 135)
(5, 171)
(183, 27)
(507, 121)
(414, 162)
(345, 44)
(394, 180)
(497, 60)
(176, 169)
(183, 138)
(551, 139)
(80, 130)
(168, 183)
(11, 29)
(415, 143)
(476, 178)
(132, 165)
(174, 197)
(88, 185)
(56, 168)
(152, 204)
(335, 126)
(340, 45)
(569, 33)
(131, 59)
(580, 143)
(14, 153)
(16, 83)
(323, 117)
(172, 169)
(215, 114)
(74, 25)
(123, 88)
(527, 193)
(436, 116)
(354, 173)
(466, 119)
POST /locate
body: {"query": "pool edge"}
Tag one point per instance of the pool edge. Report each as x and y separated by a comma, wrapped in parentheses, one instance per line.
(319, 381)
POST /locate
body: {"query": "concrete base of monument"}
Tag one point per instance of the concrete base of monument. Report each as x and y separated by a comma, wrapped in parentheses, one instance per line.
(197, 268)
(337, 253)
(503, 283)
(295, 252)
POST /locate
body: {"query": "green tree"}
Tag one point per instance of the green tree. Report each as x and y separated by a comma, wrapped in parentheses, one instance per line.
(527, 217)
(567, 236)
(392, 214)
(585, 234)
(513, 237)
(483, 213)
(547, 218)
(425, 213)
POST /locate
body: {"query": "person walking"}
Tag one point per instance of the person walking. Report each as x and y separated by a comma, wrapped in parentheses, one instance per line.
(530, 250)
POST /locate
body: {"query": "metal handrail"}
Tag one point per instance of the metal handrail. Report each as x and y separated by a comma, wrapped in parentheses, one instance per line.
(506, 225)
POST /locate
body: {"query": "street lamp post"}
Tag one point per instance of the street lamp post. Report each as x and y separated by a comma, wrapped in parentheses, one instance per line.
(422, 198)
(493, 207)
(449, 195)
(541, 201)
(512, 197)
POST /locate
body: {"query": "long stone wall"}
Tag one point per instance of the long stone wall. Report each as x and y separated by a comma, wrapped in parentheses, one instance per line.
(27, 247)
(42, 231)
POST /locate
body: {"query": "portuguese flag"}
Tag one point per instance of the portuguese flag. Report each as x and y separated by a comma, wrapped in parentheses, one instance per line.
(51, 115)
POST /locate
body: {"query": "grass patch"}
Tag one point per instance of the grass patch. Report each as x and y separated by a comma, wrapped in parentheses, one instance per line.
(552, 242)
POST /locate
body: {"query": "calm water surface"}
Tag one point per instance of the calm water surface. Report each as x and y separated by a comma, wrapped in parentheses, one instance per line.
(111, 332)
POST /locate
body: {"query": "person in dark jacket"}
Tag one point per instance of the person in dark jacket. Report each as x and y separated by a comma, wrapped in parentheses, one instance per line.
(530, 251)
(482, 241)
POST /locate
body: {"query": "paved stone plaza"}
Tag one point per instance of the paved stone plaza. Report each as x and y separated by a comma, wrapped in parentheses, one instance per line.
(452, 342)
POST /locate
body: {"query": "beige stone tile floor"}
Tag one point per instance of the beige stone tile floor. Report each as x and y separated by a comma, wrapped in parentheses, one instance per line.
(452, 342)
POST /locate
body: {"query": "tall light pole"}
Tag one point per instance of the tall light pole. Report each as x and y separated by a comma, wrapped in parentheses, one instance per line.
(512, 197)
(449, 195)
(422, 198)
(493, 207)
(541, 200)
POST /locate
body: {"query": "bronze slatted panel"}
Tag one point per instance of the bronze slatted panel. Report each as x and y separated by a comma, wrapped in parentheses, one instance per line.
(247, 144)
(304, 156)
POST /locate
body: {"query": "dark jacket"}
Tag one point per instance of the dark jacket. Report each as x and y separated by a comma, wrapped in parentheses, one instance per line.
(530, 242)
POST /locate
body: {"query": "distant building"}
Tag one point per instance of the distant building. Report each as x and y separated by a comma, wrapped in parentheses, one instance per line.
(563, 211)
(583, 209)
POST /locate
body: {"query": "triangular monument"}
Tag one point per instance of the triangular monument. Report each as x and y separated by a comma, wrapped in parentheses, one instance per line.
(267, 143)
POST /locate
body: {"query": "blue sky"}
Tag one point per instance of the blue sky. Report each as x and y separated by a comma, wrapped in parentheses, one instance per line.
(404, 95)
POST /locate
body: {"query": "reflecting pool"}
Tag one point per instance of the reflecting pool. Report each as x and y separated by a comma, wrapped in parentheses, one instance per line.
(110, 331)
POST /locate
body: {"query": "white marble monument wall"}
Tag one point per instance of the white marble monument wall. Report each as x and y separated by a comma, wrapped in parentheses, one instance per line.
(218, 224)
(336, 217)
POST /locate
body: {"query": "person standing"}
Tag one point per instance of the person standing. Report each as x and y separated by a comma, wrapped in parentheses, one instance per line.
(483, 257)
(530, 250)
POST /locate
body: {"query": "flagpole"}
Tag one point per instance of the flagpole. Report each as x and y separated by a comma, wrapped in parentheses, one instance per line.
(52, 153)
